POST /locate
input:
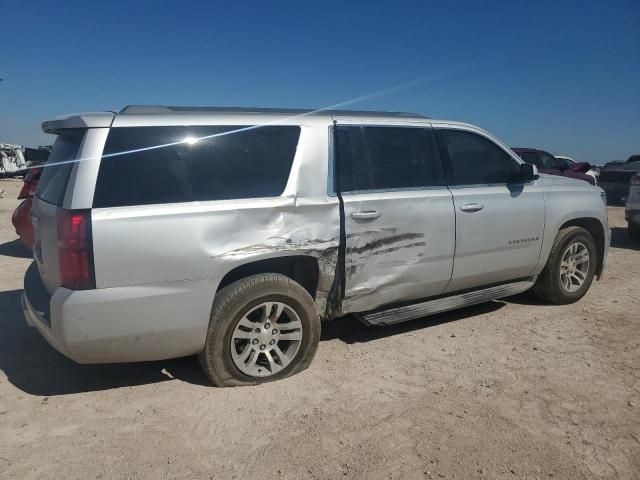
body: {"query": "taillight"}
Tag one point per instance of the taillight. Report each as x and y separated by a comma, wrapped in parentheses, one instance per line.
(75, 250)
(635, 180)
(24, 191)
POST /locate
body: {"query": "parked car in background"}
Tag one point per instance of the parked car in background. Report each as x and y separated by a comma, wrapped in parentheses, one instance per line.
(250, 226)
(615, 178)
(20, 217)
(587, 168)
(632, 208)
(12, 161)
(549, 164)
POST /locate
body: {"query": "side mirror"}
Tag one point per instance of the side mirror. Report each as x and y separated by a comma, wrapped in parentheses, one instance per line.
(529, 172)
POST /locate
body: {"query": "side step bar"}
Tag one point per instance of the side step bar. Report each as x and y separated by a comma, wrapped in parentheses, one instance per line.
(423, 309)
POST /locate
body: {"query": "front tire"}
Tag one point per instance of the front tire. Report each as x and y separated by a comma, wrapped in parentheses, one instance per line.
(634, 231)
(570, 267)
(262, 328)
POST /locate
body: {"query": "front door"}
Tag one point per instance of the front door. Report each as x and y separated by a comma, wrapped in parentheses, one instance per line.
(398, 213)
(499, 217)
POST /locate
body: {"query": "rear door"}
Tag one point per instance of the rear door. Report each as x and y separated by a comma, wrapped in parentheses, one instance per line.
(398, 214)
(48, 200)
(499, 218)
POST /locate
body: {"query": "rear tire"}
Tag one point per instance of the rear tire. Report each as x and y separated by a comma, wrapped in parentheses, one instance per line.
(634, 231)
(566, 278)
(262, 328)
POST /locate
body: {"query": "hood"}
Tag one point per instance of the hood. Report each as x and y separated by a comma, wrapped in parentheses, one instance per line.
(547, 179)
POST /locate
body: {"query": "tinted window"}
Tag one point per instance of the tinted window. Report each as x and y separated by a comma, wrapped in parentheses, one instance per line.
(55, 176)
(150, 165)
(354, 172)
(376, 158)
(475, 160)
(400, 158)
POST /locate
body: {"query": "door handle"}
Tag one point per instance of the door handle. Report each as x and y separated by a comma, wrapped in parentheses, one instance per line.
(471, 207)
(365, 215)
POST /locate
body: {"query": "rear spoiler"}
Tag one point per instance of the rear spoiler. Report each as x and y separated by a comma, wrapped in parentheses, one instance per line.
(79, 120)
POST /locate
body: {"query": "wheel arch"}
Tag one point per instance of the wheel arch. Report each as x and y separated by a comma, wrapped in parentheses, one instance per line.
(596, 229)
(303, 269)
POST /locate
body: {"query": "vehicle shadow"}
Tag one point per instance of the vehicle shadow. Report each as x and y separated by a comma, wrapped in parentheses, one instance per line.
(620, 239)
(350, 330)
(528, 298)
(36, 368)
(15, 248)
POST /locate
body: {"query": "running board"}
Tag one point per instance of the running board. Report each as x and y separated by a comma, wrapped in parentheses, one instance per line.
(423, 309)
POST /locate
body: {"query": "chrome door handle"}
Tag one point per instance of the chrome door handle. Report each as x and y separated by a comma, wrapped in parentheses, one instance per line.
(471, 207)
(365, 215)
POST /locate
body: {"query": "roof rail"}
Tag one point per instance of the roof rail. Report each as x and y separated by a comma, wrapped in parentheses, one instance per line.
(166, 110)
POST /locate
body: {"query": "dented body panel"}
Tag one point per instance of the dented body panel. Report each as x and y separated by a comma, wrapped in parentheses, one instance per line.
(406, 253)
(208, 241)
(159, 267)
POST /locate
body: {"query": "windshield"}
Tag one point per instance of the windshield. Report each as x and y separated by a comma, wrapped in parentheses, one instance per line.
(549, 162)
(531, 157)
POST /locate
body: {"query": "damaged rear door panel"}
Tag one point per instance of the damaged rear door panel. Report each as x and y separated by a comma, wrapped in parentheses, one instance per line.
(398, 214)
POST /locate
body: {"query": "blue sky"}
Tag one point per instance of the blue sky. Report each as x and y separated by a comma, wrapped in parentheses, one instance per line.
(558, 75)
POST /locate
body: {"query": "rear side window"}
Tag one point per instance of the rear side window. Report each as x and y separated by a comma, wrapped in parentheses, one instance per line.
(476, 160)
(153, 165)
(55, 176)
(380, 158)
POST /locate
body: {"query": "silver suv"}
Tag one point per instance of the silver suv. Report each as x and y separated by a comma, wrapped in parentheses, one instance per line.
(231, 233)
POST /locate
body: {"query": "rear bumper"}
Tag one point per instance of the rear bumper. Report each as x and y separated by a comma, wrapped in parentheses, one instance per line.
(124, 324)
(614, 190)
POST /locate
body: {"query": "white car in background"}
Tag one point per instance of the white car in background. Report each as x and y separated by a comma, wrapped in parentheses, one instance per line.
(632, 208)
(593, 172)
(11, 159)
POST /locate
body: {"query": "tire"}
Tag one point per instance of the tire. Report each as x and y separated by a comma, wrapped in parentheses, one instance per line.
(246, 303)
(549, 285)
(634, 231)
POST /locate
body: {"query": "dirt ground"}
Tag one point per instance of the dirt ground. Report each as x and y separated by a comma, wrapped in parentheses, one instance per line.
(508, 389)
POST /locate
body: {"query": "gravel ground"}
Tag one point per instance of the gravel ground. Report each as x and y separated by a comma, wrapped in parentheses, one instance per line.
(508, 389)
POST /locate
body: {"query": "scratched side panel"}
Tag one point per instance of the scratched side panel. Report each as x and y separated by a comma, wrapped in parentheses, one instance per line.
(405, 254)
(143, 245)
(152, 244)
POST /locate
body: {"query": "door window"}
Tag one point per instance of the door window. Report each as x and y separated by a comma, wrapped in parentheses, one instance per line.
(353, 173)
(476, 160)
(384, 158)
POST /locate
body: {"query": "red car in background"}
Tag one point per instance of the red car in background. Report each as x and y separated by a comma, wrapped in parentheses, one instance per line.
(20, 217)
(547, 163)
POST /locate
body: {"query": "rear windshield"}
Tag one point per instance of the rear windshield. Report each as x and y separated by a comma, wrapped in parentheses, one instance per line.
(153, 165)
(54, 178)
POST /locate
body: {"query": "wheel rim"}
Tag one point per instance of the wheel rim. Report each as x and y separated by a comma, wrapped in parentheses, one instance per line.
(574, 266)
(266, 339)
